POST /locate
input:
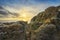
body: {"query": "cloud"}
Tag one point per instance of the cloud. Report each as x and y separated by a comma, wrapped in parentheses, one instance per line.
(1, 7)
(24, 12)
(4, 13)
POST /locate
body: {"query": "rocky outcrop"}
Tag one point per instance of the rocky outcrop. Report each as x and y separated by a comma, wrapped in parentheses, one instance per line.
(46, 25)
(13, 31)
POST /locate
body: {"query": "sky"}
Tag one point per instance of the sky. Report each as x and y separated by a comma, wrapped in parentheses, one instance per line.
(23, 9)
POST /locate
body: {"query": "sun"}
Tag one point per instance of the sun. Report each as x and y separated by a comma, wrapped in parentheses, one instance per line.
(24, 17)
(25, 14)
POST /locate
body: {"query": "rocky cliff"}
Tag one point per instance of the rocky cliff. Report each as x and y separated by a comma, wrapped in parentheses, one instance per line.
(46, 25)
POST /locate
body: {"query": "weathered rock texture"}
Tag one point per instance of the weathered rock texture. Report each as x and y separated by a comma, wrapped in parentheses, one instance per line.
(46, 25)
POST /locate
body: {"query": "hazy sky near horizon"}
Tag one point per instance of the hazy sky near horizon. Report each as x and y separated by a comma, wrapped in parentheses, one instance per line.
(23, 9)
